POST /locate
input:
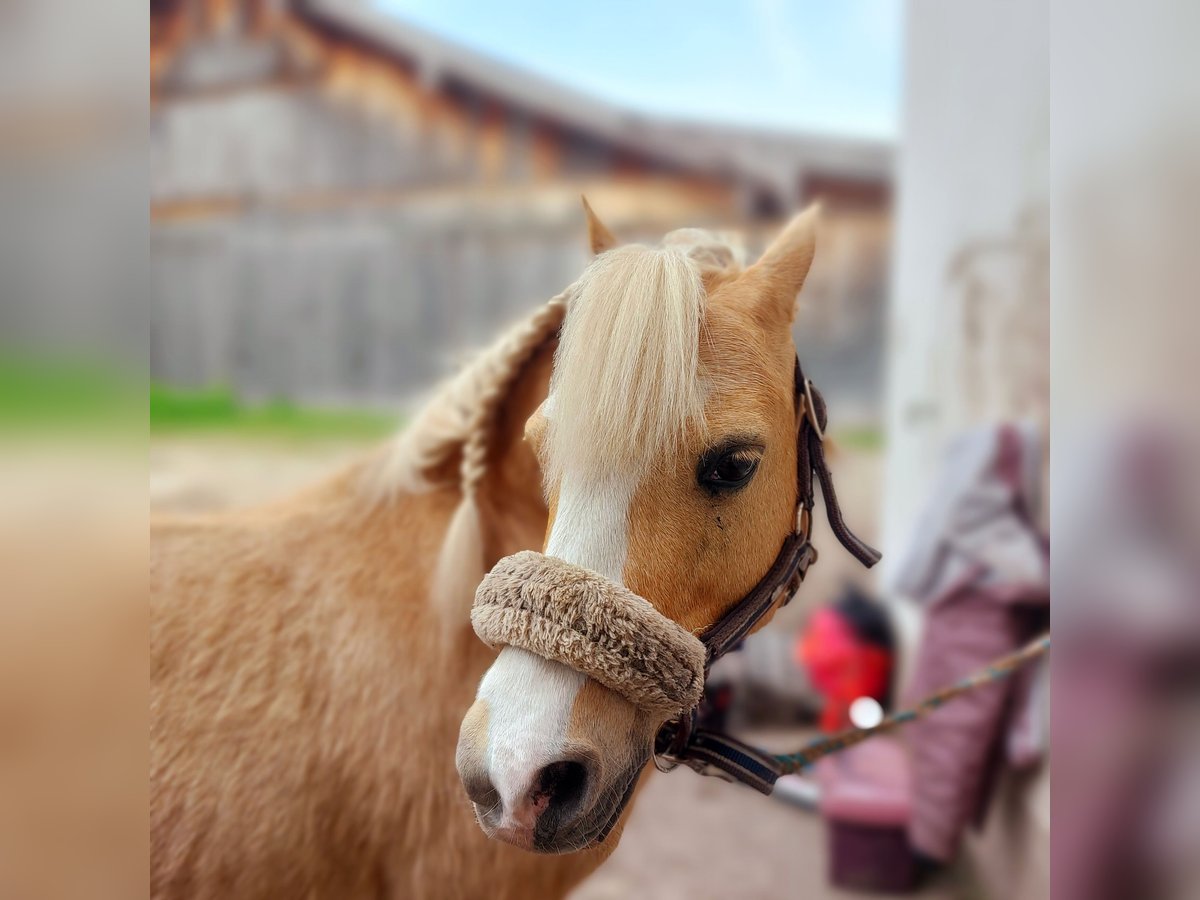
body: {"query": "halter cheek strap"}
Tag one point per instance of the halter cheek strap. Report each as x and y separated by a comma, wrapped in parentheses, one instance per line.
(783, 579)
(713, 753)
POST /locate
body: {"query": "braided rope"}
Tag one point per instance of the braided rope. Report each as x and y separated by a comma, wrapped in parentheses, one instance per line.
(495, 377)
(996, 671)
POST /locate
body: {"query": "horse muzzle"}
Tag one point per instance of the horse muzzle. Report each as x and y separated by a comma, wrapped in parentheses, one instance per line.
(573, 640)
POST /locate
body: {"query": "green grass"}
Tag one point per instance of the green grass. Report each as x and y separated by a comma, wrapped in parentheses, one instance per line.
(52, 394)
(218, 410)
(48, 393)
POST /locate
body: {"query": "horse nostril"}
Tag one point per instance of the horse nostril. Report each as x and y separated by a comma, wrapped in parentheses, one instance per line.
(480, 790)
(560, 788)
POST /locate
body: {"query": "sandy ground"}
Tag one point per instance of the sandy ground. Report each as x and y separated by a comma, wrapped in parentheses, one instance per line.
(694, 838)
(688, 837)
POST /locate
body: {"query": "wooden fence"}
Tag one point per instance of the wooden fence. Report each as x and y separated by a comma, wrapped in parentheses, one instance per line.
(342, 308)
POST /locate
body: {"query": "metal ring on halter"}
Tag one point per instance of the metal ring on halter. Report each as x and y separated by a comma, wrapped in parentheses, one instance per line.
(804, 522)
(810, 410)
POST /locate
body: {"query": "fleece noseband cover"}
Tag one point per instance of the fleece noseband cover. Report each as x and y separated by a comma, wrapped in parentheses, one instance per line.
(581, 619)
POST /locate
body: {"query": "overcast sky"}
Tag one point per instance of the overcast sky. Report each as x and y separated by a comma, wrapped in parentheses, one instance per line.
(807, 65)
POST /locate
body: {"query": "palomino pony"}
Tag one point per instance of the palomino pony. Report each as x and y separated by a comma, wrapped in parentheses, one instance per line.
(312, 659)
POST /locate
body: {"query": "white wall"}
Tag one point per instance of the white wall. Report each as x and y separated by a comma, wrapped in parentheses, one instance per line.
(973, 164)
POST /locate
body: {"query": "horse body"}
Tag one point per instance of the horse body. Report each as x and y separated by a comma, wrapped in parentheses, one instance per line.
(306, 696)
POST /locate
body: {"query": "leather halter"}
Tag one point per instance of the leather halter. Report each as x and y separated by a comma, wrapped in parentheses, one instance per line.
(713, 753)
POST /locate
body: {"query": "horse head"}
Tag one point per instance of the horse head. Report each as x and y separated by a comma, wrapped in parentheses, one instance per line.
(668, 450)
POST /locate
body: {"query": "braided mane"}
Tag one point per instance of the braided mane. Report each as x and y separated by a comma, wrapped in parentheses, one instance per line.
(455, 420)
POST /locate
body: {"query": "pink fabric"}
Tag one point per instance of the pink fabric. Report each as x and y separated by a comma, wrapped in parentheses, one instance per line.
(955, 749)
(867, 785)
(980, 567)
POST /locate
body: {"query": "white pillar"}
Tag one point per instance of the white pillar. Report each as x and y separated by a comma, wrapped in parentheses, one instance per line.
(973, 161)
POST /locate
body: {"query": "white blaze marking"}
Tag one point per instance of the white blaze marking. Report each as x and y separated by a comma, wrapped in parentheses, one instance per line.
(529, 698)
(591, 524)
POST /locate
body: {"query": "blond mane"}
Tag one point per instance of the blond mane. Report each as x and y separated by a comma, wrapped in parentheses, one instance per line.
(627, 365)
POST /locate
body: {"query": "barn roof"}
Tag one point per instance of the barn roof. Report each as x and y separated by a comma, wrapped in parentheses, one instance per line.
(774, 159)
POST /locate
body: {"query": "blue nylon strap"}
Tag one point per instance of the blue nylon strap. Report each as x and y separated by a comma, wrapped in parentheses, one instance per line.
(739, 761)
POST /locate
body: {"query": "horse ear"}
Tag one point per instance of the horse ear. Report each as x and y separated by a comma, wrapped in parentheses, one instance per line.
(779, 274)
(599, 236)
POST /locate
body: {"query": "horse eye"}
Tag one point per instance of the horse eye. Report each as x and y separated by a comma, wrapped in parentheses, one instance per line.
(728, 468)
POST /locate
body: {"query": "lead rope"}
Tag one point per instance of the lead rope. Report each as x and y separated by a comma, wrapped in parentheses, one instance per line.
(715, 753)
(998, 670)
